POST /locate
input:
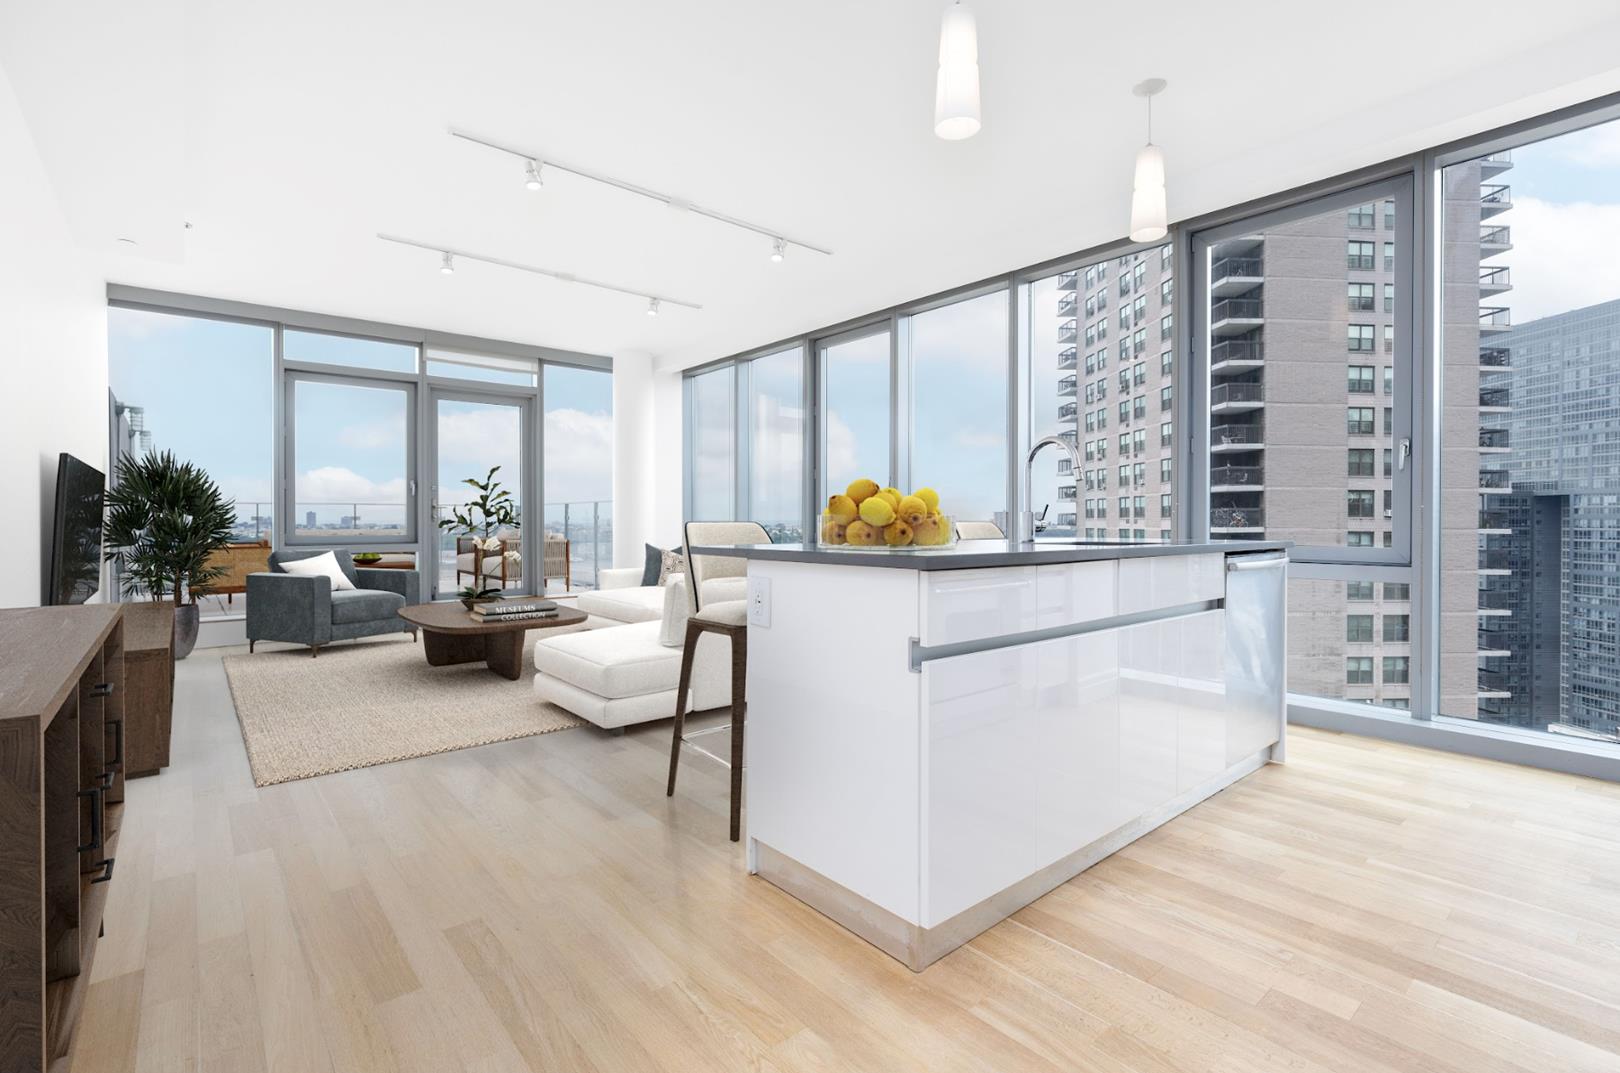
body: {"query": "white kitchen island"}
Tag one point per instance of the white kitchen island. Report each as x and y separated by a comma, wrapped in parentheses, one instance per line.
(936, 738)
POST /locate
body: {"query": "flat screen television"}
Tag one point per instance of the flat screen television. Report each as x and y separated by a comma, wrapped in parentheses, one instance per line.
(76, 541)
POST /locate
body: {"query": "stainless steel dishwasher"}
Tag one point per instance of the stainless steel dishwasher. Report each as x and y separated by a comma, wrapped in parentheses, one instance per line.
(1256, 654)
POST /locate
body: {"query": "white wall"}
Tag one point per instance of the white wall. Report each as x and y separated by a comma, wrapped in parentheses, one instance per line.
(53, 357)
(668, 472)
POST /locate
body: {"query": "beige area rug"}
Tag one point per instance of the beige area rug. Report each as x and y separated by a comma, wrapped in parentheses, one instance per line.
(374, 702)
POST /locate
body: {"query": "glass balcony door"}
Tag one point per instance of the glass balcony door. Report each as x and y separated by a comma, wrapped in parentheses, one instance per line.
(474, 433)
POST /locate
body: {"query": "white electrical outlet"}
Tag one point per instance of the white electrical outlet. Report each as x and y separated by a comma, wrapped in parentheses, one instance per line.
(759, 602)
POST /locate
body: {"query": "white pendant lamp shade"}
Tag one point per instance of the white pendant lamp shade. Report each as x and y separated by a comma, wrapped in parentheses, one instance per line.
(956, 93)
(1150, 221)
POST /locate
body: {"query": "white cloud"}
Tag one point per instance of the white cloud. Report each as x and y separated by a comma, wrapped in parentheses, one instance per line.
(1595, 147)
(339, 484)
(1562, 256)
(579, 456)
(372, 435)
(840, 448)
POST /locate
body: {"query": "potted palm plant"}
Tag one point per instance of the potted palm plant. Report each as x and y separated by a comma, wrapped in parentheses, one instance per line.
(165, 520)
(480, 520)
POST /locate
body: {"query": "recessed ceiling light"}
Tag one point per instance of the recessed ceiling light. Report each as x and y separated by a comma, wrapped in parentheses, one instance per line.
(447, 265)
(531, 175)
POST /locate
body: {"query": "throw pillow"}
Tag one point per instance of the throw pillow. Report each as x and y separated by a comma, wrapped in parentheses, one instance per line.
(672, 626)
(672, 564)
(323, 565)
(653, 566)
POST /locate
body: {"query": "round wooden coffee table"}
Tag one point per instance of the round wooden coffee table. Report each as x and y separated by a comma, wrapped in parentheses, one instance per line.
(451, 635)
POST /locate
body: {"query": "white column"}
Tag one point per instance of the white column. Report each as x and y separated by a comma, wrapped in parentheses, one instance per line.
(633, 454)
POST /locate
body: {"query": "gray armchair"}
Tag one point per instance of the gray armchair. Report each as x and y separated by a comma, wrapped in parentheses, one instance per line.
(304, 610)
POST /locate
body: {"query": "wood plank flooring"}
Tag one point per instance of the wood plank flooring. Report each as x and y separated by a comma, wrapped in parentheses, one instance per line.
(541, 906)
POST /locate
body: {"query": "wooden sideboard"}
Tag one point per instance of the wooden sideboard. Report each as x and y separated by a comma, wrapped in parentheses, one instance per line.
(62, 723)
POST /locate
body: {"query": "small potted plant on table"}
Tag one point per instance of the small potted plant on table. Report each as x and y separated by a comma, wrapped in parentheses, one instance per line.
(480, 520)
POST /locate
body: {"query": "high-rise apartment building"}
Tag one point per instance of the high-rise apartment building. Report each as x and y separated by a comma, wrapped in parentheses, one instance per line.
(1303, 396)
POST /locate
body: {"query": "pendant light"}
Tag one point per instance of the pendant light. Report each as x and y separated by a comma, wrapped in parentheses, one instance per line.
(956, 92)
(1150, 220)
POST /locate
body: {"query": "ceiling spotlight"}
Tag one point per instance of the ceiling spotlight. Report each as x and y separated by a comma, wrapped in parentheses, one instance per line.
(531, 175)
(1149, 217)
(778, 250)
(652, 307)
(447, 264)
(956, 87)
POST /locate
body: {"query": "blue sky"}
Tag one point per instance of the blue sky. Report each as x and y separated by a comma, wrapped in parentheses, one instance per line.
(206, 386)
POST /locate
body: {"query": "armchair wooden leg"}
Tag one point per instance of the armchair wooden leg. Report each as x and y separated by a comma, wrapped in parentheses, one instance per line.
(251, 643)
(314, 650)
(688, 650)
(739, 714)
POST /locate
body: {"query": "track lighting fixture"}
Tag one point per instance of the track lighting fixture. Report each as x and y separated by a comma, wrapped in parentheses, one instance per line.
(531, 175)
(446, 264)
(652, 307)
(778, 250)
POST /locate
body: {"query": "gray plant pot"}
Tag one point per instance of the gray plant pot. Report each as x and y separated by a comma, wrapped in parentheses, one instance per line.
(186, 617)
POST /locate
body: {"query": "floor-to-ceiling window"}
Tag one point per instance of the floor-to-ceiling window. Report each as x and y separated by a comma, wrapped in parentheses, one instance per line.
(711, 484)
(1530, 381)
(204, 389)
(578, 459)
(856, 419)
(350, 455)
(776, 444)
(958, 374)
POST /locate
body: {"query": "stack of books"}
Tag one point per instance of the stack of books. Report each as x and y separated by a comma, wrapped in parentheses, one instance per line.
(513, 610)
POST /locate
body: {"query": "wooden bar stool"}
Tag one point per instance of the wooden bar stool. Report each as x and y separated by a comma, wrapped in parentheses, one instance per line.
(727, 617)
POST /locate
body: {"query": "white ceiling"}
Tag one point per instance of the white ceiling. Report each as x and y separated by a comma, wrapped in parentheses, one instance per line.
(289, 133)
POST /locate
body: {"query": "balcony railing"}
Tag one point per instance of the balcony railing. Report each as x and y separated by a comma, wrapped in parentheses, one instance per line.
(1067, 332)
(1234, 309)
(1494, 519)
(1495, 601)
(1066, 304)
(1067, 281)
(1066, 492)
(1499, 277)
(1493, 437)
(1496, 161)
(1229, 267)
(1237, 518)
(1496, 236)
(1494, 560)
(1494, 396)
(1222, 394)
(1494, 198)
(1067, 411)
(1495, 681)
(1495, 318)
(1493, 357)
(1495, 478)
(1222, 435)
(1236, 476)
(1067, 385)
(1067, 358)
(1237, 350)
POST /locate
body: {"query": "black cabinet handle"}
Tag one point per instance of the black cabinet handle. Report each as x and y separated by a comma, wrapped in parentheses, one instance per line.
(117, 761)
(94, 794)
(101, 689)
(106, 870)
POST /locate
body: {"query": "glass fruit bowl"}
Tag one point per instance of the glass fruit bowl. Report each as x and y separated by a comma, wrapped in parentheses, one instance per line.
(933, 531)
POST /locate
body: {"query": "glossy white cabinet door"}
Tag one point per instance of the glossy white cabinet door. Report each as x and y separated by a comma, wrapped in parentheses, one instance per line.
(969, 605)
(1067, 593)
(1149, 718)
(979, 792)
(1076, 731)
(1155, 582)
(1201, 709)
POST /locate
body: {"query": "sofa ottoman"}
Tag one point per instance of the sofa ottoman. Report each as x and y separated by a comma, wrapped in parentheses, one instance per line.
(623, 675)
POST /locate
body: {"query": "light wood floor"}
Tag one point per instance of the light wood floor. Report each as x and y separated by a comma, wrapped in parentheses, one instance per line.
(540, 905)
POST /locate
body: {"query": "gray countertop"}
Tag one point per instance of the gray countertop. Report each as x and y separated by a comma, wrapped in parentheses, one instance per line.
(977, 554)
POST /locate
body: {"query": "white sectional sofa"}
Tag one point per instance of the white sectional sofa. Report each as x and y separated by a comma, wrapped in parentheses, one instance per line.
(617, 672)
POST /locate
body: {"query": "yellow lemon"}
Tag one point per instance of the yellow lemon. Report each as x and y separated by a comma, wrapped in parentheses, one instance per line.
(842, 509)
(929, 532)
(912, 509)
(863, 535)
(832, 531)
(930, 499)
(862, 490)
(877, 511)
(897, 534)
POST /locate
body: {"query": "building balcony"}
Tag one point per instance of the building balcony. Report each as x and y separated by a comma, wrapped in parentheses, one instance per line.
(1493, 439)
(1494, 522)
(1068, 357)
(1494, 684)
(1492, 644)
(1229, 397)
(1069, 411)
(1066, 492)
(1495, 605)
(1494, 398)
(1237, 478)
(1236, 519)
(1492, 358)
(1495, 319)
(1066, 521)
(1233, 275)
(1067, 385)
(1495, 280)
(1068, 281)
(1067, 304)
(1237, 437)
(1234, 316)
(1068, 332)
(1495, 163)
(1495, 480)
(1495, 563)
(1494, 199)
(1495, 240)
(1236, 355)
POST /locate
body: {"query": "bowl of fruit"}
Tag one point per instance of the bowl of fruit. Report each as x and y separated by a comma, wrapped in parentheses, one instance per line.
(869, 518)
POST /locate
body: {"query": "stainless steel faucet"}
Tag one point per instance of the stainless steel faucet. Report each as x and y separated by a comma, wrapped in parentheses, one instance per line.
(1025, 530)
